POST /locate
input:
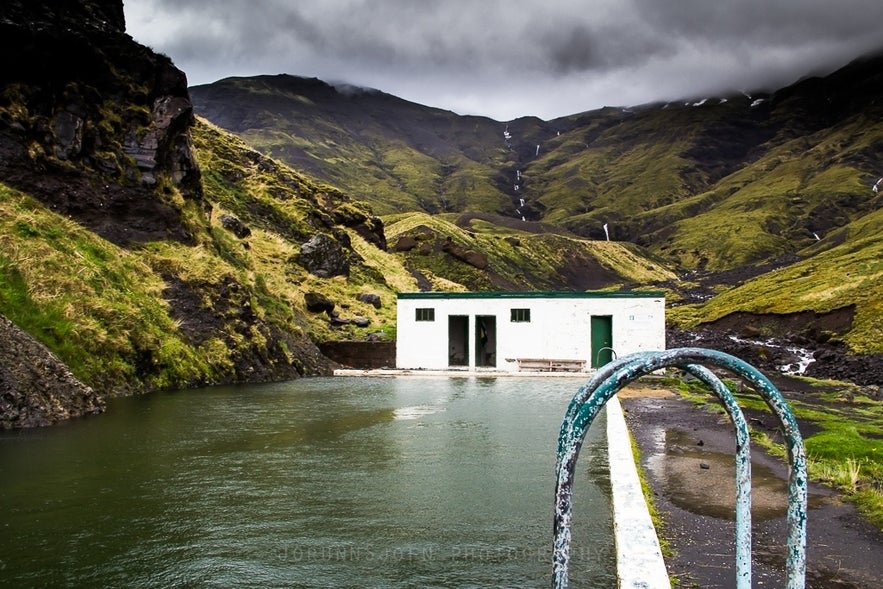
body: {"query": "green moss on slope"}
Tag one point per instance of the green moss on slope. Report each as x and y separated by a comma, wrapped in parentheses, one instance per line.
(849, 273)
(508, 259)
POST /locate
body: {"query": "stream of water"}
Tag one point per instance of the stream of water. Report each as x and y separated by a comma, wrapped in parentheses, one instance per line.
(332, 482)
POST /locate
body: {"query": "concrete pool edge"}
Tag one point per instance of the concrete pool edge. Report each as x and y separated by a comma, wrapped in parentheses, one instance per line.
(639, 561)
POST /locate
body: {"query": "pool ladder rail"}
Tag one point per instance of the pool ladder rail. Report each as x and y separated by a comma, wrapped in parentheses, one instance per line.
(608, 380)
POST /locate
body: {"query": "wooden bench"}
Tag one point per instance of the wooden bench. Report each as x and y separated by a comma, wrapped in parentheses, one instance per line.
(550, 365)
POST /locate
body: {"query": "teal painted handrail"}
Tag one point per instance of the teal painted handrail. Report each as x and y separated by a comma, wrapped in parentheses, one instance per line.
(591, 398)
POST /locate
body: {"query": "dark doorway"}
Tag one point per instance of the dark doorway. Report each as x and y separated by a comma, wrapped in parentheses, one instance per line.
(458, 340)
(485, 340)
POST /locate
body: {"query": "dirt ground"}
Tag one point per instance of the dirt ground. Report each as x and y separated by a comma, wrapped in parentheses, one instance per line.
(687, 455)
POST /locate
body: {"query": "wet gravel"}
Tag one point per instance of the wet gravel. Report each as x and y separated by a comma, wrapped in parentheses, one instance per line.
(676, 440)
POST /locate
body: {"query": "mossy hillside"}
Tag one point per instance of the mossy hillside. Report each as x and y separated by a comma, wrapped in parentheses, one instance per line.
(849, 273)
(621, 163)
(797, 193)
(389, 174)
(518, 260)
(97, 306)
(161, 315)
(387, 152)
(284, 209)
(168, 315)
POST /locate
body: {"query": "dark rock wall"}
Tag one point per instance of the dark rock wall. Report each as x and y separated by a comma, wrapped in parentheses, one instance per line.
(361, 355)
(100, 15)
(92, 123)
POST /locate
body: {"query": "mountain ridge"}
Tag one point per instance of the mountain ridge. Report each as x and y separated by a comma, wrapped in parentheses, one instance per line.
(626, 168)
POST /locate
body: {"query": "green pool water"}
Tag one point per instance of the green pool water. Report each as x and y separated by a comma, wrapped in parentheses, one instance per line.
(332, 482)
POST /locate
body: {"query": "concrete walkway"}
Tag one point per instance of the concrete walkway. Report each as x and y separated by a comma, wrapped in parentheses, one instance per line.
(639, 561)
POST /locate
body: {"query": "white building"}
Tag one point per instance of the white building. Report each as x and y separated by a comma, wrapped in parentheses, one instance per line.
(512, 331)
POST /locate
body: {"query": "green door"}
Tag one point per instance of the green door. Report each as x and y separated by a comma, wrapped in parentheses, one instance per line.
(602, 340)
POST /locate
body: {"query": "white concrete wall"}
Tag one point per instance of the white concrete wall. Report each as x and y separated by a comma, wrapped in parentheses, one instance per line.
(559, 327)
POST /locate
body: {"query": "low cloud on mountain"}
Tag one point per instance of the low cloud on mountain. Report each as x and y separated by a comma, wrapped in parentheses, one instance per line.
(512, 58)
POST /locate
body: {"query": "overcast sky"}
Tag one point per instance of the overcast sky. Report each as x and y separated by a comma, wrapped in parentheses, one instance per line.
(509, 58)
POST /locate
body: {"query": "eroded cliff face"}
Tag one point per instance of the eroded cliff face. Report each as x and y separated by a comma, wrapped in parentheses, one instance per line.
(36, 388)
(92, 123)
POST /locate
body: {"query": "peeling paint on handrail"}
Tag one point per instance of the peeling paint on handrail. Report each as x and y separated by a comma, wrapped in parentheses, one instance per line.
(591, 398)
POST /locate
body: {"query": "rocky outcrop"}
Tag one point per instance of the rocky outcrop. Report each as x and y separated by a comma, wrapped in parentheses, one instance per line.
(92, 123)
(36, 388)
(235, 226)
(324, 257)
(405, 243)
(316, 302)
(370, 298)
(274, 353)
(473, 258)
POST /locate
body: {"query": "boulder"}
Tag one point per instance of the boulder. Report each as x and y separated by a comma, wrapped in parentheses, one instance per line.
(471, 257)
(234, 225)
(370, 298)
(324, 257)
(405, 244)
(316, 302)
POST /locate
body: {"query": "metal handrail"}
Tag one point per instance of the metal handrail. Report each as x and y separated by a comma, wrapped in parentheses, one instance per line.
(598, 355)
(591, 398)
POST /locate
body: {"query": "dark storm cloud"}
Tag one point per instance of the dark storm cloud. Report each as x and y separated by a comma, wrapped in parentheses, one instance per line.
(507, 58)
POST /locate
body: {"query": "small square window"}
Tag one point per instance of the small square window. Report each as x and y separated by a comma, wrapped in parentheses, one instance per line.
(425, 314)
(520, 315)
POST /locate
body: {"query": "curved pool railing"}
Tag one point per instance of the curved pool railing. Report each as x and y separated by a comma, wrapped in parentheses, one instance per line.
(610, 378)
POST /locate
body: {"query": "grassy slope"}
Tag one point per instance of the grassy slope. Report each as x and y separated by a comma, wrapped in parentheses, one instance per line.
(849, 273)
(517, 260)
(387, 152)
(108, 311)
(805, 186)
(99, 307)
(284, 209)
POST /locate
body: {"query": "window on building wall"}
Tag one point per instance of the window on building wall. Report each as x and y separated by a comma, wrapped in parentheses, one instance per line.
(425, 314)
(520, 315)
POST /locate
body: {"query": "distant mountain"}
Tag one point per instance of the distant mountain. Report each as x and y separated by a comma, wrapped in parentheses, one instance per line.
(394, 154)
(709, 183)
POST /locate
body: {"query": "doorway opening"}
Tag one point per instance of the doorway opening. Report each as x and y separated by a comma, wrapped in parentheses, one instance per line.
(485, 340)
(458, 340)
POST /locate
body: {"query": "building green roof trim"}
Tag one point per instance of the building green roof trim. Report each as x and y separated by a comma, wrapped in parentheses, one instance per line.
(630, 294)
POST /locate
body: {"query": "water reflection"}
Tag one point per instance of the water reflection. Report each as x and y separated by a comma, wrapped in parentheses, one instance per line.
(316, 483)
(703, 481)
